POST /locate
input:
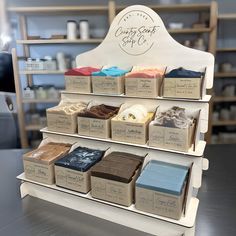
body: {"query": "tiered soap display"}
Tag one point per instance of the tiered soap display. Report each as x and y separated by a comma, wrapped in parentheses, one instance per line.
(133, 117)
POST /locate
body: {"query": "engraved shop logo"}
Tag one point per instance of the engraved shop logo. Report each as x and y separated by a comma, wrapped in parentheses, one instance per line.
(136, 32)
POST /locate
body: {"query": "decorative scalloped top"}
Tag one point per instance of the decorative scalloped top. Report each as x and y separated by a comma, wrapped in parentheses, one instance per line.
(137, 36)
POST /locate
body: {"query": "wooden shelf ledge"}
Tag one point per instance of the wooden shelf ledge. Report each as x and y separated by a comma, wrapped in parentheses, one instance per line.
(225, 74)
(227, 16)
(57, 9)
(59, 41)
(40, 100)
(226, 49)
(33, 127)
(224, 99)
(224, 123)
(175, 7)
(41, 72)
(189, 30)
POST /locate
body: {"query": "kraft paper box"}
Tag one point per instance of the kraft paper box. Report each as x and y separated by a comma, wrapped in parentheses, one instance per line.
(78, 83)
(171, 138)
(73, 179)
(38, 170)
(114, 191)
(142, 87)
(183, 88)
(170, 199)
(108, 84)
(131, 132)
(159, 203)
(93, 127)
(59, 121)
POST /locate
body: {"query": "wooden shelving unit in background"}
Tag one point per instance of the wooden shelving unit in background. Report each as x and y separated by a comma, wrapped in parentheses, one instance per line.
(111, 9)
(225, 76)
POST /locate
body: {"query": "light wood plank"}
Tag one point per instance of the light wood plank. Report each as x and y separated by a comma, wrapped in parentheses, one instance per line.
(59, 41)
(176, 7)
(20, 109)
(227, 16)
(41, 72)
(57, 9)
(225, 74)
(224, 99)
(189, 30)
(226, 49)
(33, 127)
(224, 123)
(40, 100)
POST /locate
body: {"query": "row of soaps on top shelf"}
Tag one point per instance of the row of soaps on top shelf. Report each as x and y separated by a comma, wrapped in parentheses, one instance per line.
(112, 176)
(170, 128)
(139, 81)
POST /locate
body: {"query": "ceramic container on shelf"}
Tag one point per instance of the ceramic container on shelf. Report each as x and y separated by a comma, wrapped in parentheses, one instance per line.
(224, 114)
(61, 61)
(71, 30)
(84, 30)
(226, 67)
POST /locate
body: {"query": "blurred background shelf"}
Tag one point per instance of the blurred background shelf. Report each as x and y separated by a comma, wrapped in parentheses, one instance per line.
(59, 41)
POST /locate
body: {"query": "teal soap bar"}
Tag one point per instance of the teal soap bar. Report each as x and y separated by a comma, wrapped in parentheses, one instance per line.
(163, 177)
(111, 71)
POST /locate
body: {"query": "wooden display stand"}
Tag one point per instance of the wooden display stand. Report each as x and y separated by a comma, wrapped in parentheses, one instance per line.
(137, 36)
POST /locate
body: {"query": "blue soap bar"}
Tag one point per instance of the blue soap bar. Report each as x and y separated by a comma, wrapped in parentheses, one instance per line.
(183, 73)
(80, 159)
(163, 177)
(112, 71)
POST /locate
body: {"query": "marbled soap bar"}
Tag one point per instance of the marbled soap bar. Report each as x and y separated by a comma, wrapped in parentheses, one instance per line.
(81, 159)
(163, 177)
(48, 153)
(174, 117)
(100, 112)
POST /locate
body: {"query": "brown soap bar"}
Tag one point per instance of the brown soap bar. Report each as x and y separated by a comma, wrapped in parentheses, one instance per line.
(126, 156)
(48, 153)
(114, 171)
(118, 166)
(101, 112)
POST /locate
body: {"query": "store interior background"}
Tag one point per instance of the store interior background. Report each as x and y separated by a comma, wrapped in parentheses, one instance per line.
(46, 25)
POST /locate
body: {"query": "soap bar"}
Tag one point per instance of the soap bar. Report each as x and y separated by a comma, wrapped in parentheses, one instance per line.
(145, 73)
(112, 71)
(83, 71)
(134, 113)
(68, 108)
(163, 177)
(48, 153)
(174, 117)
(100, 112)
(183, 73)
(81, 159)
(117, 167)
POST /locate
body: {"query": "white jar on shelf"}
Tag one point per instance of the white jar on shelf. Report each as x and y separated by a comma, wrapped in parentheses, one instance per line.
(61, 61)
(71, 30)
(29, 64)
(53, 93)
(84, 30)
(28, 93)
(41, 93)
(49, 63)
(38, 64)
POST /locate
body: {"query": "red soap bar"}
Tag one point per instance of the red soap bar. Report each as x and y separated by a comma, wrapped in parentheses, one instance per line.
(84, 71)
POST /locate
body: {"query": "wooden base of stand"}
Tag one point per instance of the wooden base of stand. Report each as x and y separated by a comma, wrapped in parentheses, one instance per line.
(127, 216)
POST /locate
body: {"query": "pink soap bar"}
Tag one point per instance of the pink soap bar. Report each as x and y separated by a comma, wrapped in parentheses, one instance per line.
(147, 73)
(84, 71)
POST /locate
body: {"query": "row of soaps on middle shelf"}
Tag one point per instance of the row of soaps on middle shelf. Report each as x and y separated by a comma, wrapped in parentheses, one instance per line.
(141, 81)
(118, 177)
(172, 128)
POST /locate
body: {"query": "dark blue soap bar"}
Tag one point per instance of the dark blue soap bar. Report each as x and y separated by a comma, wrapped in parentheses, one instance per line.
(183, 73)
(81, 159)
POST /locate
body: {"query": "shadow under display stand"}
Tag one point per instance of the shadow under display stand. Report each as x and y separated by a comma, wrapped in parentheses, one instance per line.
(137, 36)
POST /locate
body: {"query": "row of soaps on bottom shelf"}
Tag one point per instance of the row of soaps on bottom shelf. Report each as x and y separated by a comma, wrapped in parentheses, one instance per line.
(140, 81)
(171, 128)
(118, 177)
